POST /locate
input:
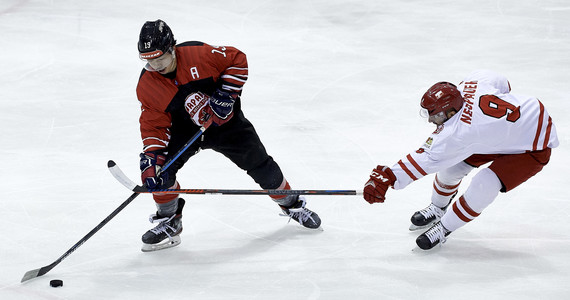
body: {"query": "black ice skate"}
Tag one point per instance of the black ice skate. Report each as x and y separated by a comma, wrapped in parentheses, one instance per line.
(428, 216)
(299, 213)
(435, 235)
(167, 233)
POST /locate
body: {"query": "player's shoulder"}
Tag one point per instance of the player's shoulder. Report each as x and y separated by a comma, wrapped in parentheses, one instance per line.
(193, 48)
(191, 44)
(151, 85)
(146, 78)
(490, 78)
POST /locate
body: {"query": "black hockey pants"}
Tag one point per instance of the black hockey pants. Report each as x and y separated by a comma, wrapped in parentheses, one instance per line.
(236, 140)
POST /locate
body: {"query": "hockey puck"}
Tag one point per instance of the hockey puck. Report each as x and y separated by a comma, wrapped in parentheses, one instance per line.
(56, 283)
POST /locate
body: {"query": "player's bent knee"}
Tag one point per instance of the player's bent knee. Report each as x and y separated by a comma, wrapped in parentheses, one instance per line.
(483, 190)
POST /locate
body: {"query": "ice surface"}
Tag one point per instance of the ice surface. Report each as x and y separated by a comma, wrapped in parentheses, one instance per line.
(333, 91)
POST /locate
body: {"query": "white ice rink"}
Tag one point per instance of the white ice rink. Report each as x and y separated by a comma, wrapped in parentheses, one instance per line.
(333, 91)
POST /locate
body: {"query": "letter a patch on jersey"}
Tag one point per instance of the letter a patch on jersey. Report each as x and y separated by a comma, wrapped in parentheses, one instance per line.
(194, 73)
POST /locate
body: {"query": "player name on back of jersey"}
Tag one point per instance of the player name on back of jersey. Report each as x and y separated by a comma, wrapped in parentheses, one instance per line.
(469, 90)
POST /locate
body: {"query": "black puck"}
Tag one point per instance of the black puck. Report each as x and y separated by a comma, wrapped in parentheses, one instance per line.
(56, 283)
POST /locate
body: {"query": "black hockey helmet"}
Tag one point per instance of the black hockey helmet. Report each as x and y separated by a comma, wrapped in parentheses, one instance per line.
(155, 39)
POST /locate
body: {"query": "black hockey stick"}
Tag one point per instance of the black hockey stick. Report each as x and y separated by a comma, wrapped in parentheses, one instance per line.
(249, 192)
(43, 270)
(131, 185)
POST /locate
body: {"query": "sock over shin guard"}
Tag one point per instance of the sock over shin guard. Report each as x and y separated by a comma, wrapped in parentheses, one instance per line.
(482, 191)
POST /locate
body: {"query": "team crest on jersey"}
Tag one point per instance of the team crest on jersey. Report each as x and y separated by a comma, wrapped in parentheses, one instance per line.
(428, 143)
(195, 102)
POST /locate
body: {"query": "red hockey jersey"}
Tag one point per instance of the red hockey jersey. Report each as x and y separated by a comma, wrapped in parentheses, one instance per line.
(199, 67)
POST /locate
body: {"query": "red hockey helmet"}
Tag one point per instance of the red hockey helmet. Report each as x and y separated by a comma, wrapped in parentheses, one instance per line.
(439, 99)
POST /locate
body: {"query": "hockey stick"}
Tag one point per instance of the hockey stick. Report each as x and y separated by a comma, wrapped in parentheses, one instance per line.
(43, 270)
(252, 192)
(131, 185)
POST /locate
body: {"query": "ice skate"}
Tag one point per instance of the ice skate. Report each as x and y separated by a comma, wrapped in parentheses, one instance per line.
(428, 216)
(298, 212)
(435, 235)
(167, 233)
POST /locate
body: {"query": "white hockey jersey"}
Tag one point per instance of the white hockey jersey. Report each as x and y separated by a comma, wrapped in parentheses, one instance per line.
(491, 121)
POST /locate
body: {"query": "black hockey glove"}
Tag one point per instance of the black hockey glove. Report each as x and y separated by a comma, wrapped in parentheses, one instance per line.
(222, 104)
(150, 164)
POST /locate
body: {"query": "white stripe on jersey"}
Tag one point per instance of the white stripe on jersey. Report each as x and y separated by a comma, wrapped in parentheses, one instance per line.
(231, 88)
(236, 68)
(234, 78)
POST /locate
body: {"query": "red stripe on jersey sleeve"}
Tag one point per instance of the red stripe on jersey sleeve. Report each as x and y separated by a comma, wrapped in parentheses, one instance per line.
(539, 127)
(403, 166)
(547, 135)
(415, 164)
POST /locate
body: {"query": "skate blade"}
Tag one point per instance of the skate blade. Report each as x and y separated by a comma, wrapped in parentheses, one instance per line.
(414, 227)
(427, 226)
(320, 228)
(169, 243)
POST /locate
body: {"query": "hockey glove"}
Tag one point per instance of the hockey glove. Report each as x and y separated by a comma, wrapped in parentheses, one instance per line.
(375, 188)
(222, 105)
(197, 107)
(150, 164)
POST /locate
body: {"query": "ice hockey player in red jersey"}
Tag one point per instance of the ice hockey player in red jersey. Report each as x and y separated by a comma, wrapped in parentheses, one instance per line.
(478, 122)
(182, 88)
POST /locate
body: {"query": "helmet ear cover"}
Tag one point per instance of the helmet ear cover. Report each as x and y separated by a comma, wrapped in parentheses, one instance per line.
(442, 97)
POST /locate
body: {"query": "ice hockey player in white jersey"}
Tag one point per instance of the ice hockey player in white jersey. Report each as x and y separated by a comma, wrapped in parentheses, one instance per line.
(479, 121)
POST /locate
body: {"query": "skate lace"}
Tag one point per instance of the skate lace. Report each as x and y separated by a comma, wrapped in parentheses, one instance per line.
(432, 211)
(163, 225)
(437, 233)
(300, 213)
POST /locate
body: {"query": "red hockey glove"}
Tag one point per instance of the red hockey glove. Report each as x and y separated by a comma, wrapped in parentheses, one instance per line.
(375, 188)
(150, 164)
(222, 105)
(197, 106)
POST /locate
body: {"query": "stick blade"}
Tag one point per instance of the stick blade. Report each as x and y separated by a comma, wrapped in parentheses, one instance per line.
(31, 275)
(39, 272)
(120, 176)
